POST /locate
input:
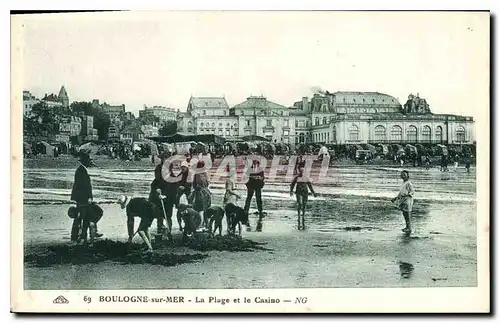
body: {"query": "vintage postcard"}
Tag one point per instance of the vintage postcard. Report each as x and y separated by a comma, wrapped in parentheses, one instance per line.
(250, 161)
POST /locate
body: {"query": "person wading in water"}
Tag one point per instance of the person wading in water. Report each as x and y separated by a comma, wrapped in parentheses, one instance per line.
(404, 200)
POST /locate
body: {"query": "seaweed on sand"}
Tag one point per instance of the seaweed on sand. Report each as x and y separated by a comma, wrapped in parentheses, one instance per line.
(105, 250)
(205, 242)
(125, 253)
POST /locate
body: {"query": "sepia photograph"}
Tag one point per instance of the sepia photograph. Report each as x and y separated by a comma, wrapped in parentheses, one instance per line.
(212, 153)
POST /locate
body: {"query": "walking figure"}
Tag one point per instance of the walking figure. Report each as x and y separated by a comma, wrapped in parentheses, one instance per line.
(301, 194)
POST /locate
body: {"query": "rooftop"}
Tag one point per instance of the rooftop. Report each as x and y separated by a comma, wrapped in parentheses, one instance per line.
(209, 102)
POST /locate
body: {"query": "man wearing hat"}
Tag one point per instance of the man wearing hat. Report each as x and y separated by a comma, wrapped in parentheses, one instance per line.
(82, 195)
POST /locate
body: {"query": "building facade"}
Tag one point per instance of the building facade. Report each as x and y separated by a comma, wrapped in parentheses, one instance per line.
(113, 111)
(264, 118)
(63, 97)
(131, 133)
(28, 101)
(88, 131)
(163, 114)
(208, 115)
(71, 126)
(336, 118)
(149, 131)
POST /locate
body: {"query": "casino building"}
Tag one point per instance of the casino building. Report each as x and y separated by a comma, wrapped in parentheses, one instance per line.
(336, 118)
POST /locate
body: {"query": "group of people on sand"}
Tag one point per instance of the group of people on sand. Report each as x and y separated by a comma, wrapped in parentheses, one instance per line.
(190, 195)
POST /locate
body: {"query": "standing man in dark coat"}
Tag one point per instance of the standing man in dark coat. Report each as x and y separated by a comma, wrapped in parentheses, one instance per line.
(254, 185)
(82, 195)
(158, 184)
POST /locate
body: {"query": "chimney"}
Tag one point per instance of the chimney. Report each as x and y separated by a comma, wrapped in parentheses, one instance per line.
(305, 103)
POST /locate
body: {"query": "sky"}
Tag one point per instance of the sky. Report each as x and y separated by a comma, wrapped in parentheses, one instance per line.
(162, 58)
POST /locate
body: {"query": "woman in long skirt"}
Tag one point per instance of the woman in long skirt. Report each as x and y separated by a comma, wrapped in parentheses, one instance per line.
(404, 200)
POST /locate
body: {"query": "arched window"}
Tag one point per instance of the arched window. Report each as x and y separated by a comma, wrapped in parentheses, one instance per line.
(220, 124)
(439, 134)
(213, 124)
(426, 134)
(204, 112)
(316, 121)
(324, 120)
(227, 125)
(380, 133)
(225, 112)
(201, 125)
(353, 133)
(411, 134)
(460, 134)
(396, 133)
(301, 137)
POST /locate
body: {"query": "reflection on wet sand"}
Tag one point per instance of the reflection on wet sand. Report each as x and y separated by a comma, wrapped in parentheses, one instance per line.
(406, 269)
(352, 228)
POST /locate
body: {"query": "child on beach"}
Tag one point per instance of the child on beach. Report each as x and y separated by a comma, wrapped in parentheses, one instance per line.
(235, 215)
(301, 194)
(404, 200)
(145, 210)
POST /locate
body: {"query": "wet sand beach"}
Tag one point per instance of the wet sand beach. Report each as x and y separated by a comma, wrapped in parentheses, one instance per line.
(352, 238)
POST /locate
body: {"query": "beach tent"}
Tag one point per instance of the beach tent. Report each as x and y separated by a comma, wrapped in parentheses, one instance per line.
(443, 150)
(420, 148)
(242, 147)
(254, 138)
(27, 148)
(371, 148)
(411, 149)
(270, 148)
(48, 149)
(383, 149)
(153, 147)
(201, 148)
(188, 136)
(231, 147)
(89, 148)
